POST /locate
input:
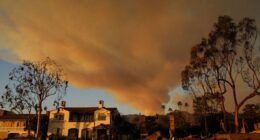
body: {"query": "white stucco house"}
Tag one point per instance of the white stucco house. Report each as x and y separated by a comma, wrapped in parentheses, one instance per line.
(82, 122)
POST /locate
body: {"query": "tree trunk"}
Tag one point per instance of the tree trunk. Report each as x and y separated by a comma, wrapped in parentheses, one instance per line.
(236, 120)
(206, 125)
(225, 121)
(224, 116)
(29, 125)
(38, 130)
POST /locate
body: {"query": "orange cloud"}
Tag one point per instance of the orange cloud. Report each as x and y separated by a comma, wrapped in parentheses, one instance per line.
(135, 50)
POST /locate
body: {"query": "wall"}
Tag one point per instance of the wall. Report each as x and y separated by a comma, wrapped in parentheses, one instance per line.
(108, 117)
(3, 135)
(236, 137)
(65, 125)
(12, 126)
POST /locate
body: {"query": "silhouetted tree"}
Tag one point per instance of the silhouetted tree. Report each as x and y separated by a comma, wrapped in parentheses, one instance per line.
(227, 54)
(181, 125)
(163, 108)
(202, 109)
(203, 82)
(32, 83)
(179, 104)
(123, 127)
(251, 114)
(186, 105)
(19, 101)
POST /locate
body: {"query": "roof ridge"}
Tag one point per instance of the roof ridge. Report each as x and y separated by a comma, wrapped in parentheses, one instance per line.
(92, 107)
(80, 107)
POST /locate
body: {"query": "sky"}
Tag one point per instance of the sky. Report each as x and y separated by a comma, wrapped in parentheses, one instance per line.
(128, 53)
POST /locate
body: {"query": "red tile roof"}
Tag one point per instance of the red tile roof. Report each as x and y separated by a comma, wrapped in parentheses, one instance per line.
(86, 109)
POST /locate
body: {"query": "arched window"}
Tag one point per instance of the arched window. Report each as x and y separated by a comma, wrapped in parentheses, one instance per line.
(85, 134)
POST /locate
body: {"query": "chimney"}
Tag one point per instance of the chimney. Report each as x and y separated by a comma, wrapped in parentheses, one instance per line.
(63, 104)
(101, 104)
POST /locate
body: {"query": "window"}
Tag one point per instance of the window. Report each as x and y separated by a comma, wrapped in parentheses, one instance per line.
(74, 117)
(12, 124)
(59, 116)
(87, 117)
(101, 116)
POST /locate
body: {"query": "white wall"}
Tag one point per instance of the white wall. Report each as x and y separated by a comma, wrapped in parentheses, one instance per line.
(65, 125)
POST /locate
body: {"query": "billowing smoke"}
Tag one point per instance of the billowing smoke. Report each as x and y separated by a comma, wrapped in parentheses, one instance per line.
(134, 50)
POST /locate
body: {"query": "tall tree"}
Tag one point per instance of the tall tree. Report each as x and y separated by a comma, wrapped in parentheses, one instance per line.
(179, 103)
(186, 105)
(163, 108)
(202, 109)
(228, 54)
(36, 81)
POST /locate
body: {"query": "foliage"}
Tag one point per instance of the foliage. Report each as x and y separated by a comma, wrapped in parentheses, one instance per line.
(123, 127)
(251, 115)
(31, 84)
(217, 62)
(252, 111)
(201, 106)
(179, 104)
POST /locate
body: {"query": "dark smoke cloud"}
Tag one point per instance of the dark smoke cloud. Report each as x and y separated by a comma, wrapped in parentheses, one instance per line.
(133, 49)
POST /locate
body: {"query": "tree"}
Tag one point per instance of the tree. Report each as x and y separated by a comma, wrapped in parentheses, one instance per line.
(251, 114)
(36, 81)
(163, 108)
(202, 109)
(229, 53)
(179, 104)
(186, 105)
(19, 101)
(201, 81)
(252, 111)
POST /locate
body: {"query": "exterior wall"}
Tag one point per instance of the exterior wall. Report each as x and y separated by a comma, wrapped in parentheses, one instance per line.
(12, 126)
(11, 123)
(65, 112)
(108, 117)
(65, 125)
(237, 136)
(3, 135)
(62, 124)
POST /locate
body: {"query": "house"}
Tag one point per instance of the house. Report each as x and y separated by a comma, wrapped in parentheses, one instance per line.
(82, 122)
(11, 123)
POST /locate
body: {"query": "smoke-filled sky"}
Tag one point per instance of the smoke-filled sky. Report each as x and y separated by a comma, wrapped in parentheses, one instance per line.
(133, 51)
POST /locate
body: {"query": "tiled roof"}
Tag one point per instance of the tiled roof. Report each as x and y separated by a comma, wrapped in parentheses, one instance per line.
(86, 109)
(15, 117)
